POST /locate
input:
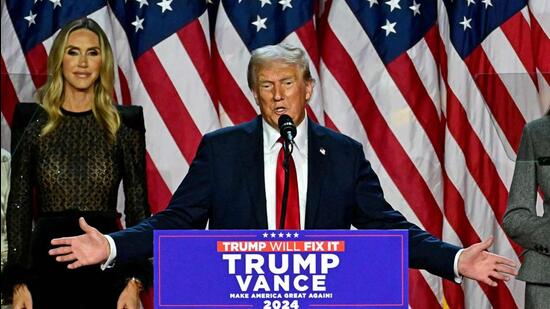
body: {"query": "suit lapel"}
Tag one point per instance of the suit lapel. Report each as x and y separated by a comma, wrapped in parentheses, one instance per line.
(317, 152)
(252, 161)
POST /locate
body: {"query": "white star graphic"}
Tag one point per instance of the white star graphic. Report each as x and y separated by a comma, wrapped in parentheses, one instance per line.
(138, 23)
(415, 8)
(56, 3)
(165, 5)
(466, 23)
(142, 3)
(295, 234)
(285, 4)
(288, 235)
(470, 2)
(273, 235)
(281, 235)
(264, 235)
(264, 2)
(487, 3)
(389, 27)
(372, 2)
(30, 18)
(393, 4)
(260, 23)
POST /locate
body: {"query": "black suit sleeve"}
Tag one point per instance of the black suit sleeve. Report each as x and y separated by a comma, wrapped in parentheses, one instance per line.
(373, 212)
(188, 209)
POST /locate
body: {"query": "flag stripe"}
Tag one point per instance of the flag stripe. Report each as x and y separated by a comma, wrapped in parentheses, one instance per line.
(195, 97)
(169, 104)
(420, 293)
(383, 140)
(542, 48)
(468, 236)
(514, 29)
(478, 163)
(9, 98)
(36, 62)
(193, 39)
(231, 96)
(403, 72)
(125, 91)
(496, 96)
(159, 193)
(346, 72)
(519, 84)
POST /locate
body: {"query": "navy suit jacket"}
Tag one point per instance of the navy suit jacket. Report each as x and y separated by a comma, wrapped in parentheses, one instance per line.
(225, 187)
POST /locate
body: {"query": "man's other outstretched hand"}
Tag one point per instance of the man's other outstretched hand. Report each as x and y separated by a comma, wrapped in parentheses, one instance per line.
(477, 263)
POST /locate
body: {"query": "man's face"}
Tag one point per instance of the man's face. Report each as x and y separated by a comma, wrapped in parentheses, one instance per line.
(281, 89)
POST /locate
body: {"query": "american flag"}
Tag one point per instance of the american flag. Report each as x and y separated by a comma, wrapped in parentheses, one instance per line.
(437, 92)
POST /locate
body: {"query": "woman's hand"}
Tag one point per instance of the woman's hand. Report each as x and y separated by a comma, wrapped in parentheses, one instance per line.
(129, 298)
(22, 298)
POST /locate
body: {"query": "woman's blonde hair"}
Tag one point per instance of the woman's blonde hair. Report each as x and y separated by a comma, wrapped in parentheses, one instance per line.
(52, 93)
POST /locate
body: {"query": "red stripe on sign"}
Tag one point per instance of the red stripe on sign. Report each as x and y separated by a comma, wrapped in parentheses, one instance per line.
(496, 95)
(194, 42)
(9, 97)
(169, 104)
(399, 166)
(158, 192)
(231, 96)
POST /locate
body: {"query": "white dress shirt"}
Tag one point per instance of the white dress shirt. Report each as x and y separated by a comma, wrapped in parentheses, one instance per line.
(299, 155)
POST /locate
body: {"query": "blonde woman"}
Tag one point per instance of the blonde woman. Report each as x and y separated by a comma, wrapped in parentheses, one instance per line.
(71, 157)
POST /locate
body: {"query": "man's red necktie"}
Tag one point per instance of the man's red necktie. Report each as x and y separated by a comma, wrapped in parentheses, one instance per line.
(292, 219)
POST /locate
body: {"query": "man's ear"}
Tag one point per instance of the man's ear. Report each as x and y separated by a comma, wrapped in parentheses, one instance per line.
(255, 94)
(309, 89)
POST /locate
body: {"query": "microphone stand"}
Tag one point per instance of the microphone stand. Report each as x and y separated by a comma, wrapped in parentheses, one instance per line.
(287, 146)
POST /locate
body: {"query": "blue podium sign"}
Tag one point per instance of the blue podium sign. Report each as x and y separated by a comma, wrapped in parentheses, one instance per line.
(281, 269)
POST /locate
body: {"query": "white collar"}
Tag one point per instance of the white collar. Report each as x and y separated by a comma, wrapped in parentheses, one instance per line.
(271, 135)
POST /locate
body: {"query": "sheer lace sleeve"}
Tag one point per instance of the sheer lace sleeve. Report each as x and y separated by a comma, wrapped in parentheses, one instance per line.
(132, 139)
(19, 210)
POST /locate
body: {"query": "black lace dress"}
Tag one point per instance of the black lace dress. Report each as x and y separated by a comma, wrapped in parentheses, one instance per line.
(73, 171)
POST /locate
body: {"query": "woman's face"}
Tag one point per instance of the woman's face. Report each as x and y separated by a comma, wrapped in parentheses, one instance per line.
(81, 61)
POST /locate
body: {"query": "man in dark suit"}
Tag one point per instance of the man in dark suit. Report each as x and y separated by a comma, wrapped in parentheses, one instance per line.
(232, 184)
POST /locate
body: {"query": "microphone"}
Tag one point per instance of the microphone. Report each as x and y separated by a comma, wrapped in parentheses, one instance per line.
(287, 128)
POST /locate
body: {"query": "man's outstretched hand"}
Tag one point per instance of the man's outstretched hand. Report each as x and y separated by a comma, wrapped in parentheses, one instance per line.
(86, 249)
(478, 264)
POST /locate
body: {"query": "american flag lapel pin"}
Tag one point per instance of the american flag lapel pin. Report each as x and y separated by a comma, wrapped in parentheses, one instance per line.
(322, 151)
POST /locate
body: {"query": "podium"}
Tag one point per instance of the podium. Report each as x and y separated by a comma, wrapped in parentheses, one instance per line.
(281, 269)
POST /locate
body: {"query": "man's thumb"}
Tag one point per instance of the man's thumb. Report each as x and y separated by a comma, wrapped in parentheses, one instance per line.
(487, 243)
(84, 226)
